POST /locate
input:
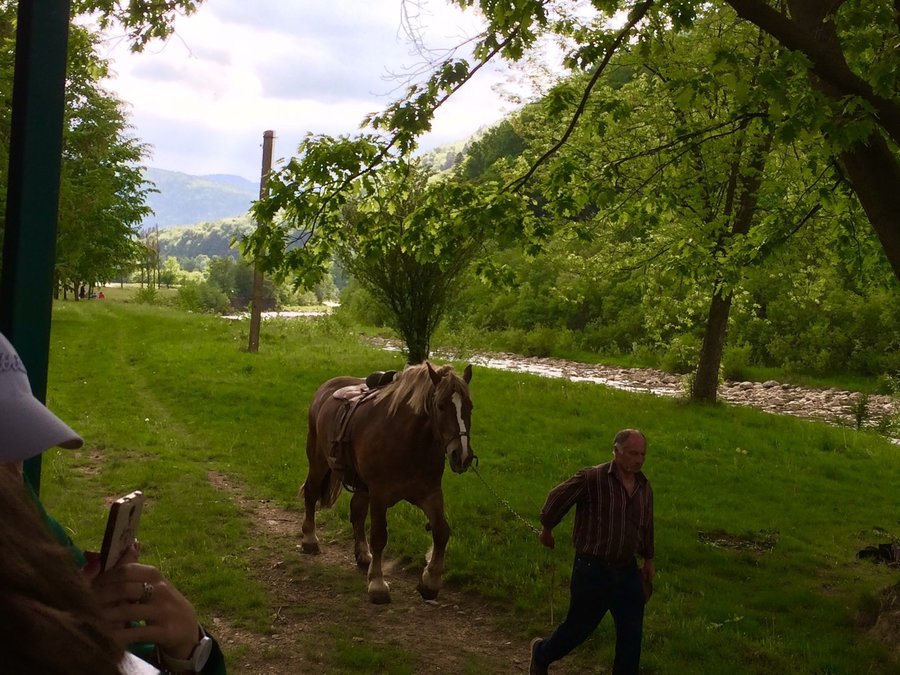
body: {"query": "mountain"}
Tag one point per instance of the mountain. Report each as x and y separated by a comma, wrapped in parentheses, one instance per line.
(184, 199)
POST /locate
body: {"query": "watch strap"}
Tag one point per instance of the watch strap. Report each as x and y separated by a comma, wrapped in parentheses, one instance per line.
(195, 662)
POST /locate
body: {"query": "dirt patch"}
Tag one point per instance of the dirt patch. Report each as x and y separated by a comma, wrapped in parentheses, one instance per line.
(887, 624)
(321, 602)
(757, 542)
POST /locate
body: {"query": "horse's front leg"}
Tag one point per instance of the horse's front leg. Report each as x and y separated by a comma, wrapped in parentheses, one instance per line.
(379, 591)
(430, 584)
(359, 510)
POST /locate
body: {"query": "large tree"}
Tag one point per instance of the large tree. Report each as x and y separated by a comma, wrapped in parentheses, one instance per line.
(406, 236)
(846, 50)
(679, 173)
(102, 192)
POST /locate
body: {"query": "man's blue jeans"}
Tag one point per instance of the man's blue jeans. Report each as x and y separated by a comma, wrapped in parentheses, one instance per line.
(597, 588)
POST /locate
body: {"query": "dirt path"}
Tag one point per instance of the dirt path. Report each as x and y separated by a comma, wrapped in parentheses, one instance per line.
(454, 634)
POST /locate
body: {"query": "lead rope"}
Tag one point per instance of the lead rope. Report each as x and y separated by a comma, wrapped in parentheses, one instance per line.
(505, 503)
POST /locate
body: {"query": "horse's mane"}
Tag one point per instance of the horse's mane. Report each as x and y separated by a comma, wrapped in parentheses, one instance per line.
(414, 387)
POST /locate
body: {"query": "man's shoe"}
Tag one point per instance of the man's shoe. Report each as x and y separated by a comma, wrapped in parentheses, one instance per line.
(533, 667)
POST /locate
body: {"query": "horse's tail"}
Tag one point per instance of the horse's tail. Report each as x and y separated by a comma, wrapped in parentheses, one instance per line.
(331, 488)
(329, 492)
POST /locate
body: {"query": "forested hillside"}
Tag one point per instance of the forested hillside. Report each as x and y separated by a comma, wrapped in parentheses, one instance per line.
(182, 199)
(189, 243)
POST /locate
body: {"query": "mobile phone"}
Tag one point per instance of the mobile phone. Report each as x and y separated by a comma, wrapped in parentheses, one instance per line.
(121, 528)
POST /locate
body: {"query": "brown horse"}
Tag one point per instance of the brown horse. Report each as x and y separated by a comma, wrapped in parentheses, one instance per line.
(397, 441)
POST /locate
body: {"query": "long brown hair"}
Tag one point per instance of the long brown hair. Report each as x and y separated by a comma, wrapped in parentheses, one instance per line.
(49, 621)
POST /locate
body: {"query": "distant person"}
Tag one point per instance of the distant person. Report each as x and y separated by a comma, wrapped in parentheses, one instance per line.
(100, 295)
(82, 292)
(613, 523)
(136, 601)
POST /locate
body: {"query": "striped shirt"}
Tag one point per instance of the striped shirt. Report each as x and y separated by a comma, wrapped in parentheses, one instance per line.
(608, 523)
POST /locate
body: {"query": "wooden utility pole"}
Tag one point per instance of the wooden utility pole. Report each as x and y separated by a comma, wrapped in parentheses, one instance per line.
(255, 306)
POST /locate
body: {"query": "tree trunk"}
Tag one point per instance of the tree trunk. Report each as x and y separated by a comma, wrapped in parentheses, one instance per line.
(706, 379)
(874, 175)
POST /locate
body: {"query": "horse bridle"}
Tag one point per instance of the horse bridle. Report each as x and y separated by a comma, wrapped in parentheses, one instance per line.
(457, 435)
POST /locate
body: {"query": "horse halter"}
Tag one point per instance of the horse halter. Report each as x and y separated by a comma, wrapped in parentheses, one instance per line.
(466, 455)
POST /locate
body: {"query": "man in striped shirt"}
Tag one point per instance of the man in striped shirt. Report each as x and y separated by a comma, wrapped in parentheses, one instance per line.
(613, 523)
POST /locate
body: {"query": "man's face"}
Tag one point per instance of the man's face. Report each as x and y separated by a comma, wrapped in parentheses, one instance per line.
(630, 457)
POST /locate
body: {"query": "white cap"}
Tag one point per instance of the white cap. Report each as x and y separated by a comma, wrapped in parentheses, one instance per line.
(27, 427)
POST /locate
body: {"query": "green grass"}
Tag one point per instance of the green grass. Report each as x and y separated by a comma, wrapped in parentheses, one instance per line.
(162, 397)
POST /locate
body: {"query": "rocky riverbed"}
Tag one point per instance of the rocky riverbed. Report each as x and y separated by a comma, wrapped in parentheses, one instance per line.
(830, 405)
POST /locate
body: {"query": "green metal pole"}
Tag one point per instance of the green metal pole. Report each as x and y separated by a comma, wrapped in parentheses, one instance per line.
(29, 243)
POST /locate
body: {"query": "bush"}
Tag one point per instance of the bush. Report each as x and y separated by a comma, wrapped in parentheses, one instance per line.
(287, 296)
(888, 383)
(682, 355)
(147, 295)
(541, 341)
(360, 305)
(841, 332)
(736, 361)
(203, 297)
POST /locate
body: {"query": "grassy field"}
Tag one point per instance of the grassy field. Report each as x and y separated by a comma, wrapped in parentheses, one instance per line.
(162, 397)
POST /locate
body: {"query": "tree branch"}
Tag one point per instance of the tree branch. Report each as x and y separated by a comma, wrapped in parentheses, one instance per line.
(826, 56)
(637, 14)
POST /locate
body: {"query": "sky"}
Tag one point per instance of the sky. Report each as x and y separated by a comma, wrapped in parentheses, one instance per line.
(236, 68)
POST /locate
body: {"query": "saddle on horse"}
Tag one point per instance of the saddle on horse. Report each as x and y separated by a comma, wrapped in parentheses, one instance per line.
(340, 459)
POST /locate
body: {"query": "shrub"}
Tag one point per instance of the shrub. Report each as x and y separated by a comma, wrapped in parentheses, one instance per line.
(736, 361)
(541, 341)
(203, 297)
(147, 295)
(682, 354)
(359, 303)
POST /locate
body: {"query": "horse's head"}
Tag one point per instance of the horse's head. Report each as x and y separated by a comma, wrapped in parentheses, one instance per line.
(452, 415)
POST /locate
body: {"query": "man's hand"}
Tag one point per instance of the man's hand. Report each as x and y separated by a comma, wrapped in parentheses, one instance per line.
(546, 537)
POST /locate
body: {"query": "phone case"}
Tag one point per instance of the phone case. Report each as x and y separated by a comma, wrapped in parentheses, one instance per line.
(121, 528)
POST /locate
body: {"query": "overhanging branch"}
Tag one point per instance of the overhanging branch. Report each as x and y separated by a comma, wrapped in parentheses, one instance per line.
(639, 12)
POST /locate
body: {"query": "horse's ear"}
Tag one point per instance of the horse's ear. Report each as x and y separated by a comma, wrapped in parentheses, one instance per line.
(467, 374)
(435, 378)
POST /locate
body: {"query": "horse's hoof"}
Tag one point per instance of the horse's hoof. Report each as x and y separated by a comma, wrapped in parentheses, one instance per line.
(379, 592)
(311, 549)
(426, 592)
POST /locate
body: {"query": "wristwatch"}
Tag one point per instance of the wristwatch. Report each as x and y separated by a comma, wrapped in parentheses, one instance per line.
(195, 662)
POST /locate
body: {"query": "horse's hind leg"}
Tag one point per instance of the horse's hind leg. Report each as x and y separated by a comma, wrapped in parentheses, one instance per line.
(310, 491)
(316, 481)
(430, 584)
(359, 510)
(379, 591)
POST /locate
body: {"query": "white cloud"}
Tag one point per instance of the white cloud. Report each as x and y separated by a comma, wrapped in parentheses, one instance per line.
(236, 68)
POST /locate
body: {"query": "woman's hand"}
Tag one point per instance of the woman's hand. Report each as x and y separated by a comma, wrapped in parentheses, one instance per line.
(132, 592)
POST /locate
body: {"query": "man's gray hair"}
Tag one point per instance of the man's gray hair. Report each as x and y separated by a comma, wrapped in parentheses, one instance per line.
(623, 436)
